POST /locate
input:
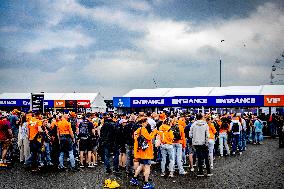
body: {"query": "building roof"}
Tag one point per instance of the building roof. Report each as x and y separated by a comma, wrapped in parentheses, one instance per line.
(208, 91)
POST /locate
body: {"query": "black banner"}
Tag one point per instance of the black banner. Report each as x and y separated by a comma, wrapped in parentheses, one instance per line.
(37, 102)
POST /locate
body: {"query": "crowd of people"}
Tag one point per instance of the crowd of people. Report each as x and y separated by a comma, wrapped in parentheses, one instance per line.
(133, 141)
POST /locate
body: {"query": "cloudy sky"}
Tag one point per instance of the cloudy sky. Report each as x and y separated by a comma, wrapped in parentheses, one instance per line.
(113, 46)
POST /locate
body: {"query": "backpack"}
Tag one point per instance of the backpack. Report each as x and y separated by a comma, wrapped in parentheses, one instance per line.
(142, 142)
(176, 133)
(84, 130)
(235, 128)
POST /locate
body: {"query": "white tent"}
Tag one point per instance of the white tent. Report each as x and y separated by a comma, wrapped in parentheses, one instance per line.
(96, 99)
(208, 91)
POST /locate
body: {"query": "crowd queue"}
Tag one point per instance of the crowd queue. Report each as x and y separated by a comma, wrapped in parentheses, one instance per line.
(133, 141)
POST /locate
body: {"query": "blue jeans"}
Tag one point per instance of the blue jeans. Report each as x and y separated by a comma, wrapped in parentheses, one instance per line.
(129, 158)
(236, 141)
(223, 140)
(244, 140)
(47, 152)
(253, 136)
(167, 149)
(71, 157)
(257, 136)
(35, 153)
(66, 144)
(178, 156)
(107, 151)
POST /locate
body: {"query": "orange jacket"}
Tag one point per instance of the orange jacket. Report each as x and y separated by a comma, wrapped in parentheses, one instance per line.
(149, 152)
(212, 131)
(166, 134)
(182, 141)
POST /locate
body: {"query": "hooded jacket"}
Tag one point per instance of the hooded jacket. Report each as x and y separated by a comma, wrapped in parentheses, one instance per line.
(166, 134)
(199, 131)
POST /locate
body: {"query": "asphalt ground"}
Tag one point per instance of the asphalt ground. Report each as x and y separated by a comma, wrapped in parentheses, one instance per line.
(260, 166)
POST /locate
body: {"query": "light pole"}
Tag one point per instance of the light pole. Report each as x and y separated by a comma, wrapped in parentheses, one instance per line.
(221, 65)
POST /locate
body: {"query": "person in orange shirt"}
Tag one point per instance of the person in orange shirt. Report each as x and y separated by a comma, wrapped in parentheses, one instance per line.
(34, 128)
(211, 140)
(166, 137)
(179, 143)
(143, 152)
(66, 140)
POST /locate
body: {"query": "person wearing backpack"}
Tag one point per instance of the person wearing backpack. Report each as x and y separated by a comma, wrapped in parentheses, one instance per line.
(66, 139)
(166, 137)
(143, 153)
(85, 132)
(179, 143)
(235, 128)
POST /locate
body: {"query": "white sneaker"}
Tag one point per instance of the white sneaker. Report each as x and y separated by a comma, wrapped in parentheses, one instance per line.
(90, 165)
(163, 174)
(234, 153)
(211, 166)
(240, 153)
(171, 174)
(222, 155)
(192, 169)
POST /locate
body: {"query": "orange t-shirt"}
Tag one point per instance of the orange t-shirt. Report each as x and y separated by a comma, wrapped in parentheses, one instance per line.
(33, 125)
(64, 127)
(182, 123)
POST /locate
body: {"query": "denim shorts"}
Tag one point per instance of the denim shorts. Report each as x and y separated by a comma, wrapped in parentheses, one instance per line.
(145, 161)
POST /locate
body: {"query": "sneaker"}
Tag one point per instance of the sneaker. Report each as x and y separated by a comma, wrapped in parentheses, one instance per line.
(90, 165)
(134, 182)
(41, 164)
(1, 161)
(200, 174)
(163, 174)
(49, 164)
(95, 164)
(171, 175)
(114, 184)
(240, 153)
(61, 168)
(233, 153)
(210, 174)
(74, 169)
(81, 166)
(221, 155)
(211, 166)
(192, 169)
(184, 173)
(148, 186)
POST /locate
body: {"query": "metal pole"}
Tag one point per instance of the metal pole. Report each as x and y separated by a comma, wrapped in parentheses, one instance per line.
(220, 73)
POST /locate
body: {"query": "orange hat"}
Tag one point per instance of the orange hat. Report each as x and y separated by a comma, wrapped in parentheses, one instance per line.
(162, 116)
(73, 114)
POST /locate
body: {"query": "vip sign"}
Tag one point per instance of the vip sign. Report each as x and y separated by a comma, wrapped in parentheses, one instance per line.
(59, 103)
(274, 100)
